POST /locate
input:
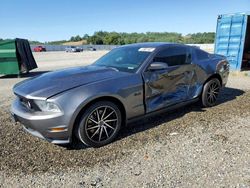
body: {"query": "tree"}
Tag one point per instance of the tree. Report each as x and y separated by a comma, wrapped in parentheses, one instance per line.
(77, 38)
(95, 40)
(115, 38)
(85, 37)
(112, 38)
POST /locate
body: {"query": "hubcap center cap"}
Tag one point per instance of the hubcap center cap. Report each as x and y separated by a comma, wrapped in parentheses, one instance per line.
(101, 123)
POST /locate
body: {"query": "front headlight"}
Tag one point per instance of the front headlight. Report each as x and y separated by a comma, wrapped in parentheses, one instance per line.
(47, 106)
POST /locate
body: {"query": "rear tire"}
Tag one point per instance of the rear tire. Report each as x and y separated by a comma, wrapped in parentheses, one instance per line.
(99, 124)
(210, 92)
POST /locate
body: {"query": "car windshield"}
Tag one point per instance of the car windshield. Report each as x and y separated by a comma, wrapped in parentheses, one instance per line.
(127, 59)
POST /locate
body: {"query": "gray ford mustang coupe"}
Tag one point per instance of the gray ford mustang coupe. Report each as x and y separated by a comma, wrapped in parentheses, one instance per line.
(92, 103)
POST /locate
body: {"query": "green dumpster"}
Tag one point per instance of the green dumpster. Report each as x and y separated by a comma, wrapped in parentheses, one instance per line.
(16, 57)
(8, 59)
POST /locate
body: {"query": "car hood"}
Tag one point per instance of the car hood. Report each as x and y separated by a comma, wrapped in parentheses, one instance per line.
(52, 83)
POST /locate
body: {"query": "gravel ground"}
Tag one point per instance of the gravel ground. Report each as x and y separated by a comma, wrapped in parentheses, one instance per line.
(190, 147)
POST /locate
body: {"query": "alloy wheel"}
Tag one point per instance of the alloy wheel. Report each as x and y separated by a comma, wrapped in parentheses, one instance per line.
(101, 124)
(213, 92)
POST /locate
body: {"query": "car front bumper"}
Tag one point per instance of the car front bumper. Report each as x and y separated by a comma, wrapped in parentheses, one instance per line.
(48, 126)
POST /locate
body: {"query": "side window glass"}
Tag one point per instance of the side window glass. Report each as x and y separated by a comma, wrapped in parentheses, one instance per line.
(174, 56)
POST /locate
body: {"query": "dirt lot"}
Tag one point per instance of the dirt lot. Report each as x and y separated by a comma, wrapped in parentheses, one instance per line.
(190, 147)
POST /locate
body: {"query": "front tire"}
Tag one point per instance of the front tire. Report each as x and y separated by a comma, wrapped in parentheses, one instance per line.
(99, 124)
(210, 92)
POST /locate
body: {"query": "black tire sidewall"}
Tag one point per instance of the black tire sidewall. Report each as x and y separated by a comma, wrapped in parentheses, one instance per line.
(204, 99)
(82, 135)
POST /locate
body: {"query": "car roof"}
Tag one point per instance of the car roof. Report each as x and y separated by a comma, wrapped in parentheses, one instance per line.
(154, 44)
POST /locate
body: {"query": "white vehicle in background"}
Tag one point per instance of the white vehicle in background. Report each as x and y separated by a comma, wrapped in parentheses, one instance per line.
(73, 49)
(91, 48)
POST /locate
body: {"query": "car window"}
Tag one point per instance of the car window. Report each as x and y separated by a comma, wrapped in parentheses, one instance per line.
(201, 55)
(126, 59)
(174, 56)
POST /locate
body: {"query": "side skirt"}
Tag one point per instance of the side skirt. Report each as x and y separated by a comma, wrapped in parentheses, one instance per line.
(163, 110)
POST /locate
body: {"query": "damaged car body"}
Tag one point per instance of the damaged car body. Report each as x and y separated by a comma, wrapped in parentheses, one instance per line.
(92, 103)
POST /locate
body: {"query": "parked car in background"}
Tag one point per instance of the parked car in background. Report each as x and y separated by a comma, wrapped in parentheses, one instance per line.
(39, 49)
(92, 103)
(91, 48)
(73, 49)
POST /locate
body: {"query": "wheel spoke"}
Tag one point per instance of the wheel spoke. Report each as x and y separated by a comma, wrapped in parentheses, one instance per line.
(108, 115)
(90, 128)
(93, 121)
(100, 135)
(214, 98)
(109, 126)
(209, 98)
(216, 88)
(95, 132)
(97, 114)
(103, 113)
(213, 86)
(105, 129)
(110, 120)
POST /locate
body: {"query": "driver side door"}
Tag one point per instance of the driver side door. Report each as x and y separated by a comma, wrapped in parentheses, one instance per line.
(168, 86)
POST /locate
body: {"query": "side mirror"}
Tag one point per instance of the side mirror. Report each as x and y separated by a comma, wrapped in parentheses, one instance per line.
(158, 66)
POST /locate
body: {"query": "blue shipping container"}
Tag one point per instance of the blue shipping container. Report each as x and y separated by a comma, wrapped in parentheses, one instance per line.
(233, 39)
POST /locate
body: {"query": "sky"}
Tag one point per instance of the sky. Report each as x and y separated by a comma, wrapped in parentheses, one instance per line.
(49, 20)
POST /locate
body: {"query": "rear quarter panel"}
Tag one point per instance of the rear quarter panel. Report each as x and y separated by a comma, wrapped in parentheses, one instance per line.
(215, 64)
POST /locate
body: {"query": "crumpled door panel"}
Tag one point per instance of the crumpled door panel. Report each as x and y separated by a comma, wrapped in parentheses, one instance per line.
(167, 87)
